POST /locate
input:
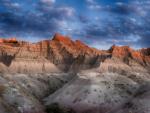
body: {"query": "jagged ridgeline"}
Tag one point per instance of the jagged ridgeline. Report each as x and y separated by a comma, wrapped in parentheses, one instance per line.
(60, 53)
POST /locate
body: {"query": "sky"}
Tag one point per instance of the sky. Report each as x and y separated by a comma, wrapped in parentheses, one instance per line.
(98, 23)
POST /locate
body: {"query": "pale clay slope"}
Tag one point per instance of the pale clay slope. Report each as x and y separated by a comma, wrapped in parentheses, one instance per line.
(106, 89)
(110, 88)
(22, 93)
(29, 66)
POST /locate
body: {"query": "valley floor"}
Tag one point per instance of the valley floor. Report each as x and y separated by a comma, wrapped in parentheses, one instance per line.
(86, 92)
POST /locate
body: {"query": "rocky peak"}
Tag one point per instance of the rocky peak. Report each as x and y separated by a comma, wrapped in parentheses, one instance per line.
(121, 51)
(10, 40)
(74, 47)
(68, 52)
(60, 38)
(126, 54)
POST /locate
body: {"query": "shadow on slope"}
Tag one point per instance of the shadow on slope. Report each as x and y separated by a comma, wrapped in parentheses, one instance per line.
(6, 59)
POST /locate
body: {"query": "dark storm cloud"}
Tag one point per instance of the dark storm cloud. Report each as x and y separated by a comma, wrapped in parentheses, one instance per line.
(126, 22)
(83, 19)
(122, 31)
(121, 8)
(43, 22)
(95, 31)
(47, 8)
(99, 24)
(31, 23)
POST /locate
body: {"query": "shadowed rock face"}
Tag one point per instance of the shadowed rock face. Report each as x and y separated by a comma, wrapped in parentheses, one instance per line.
(145, 51)
(6, 59)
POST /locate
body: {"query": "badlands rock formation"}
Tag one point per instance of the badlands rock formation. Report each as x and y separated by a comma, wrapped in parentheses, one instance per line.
(65, 76)
(47, 56)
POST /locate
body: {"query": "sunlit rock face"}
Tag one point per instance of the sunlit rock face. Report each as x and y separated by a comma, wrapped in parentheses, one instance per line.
(70, 76)
(126, 53)
(11, 40)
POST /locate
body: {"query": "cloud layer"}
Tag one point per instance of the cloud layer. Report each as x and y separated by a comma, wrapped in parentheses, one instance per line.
(98, 23)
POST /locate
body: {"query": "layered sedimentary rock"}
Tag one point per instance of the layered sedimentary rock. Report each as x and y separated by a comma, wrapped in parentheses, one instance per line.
(126, 53)
(60, 52)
